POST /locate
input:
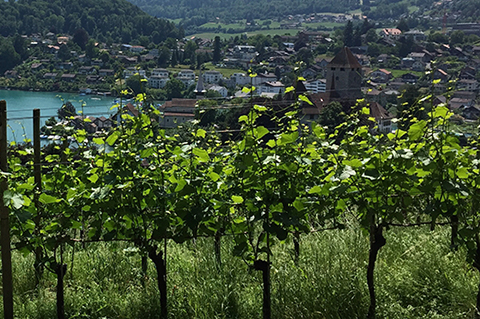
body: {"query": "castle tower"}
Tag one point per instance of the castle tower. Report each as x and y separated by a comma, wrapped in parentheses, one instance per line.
(344, 77)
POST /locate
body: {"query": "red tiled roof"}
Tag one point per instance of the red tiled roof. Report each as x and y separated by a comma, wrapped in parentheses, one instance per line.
(178, 114)
(132, 109)
(180, 103)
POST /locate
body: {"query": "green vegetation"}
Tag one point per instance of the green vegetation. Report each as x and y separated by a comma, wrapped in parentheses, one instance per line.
(420, 278)
(399, 73)
(206, 10)
(274, 182)
(104, 20)
(469, 9)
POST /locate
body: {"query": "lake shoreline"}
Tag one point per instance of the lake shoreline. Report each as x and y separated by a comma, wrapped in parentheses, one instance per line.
(110, 93)
(20, 105)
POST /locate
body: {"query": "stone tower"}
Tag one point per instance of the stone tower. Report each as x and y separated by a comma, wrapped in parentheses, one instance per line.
(344, 77)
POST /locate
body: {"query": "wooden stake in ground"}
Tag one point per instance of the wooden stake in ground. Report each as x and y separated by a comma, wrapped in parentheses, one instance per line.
(37, 173)
(4, 221)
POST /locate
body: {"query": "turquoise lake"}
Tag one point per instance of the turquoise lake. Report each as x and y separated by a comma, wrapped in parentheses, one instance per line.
(20, 105)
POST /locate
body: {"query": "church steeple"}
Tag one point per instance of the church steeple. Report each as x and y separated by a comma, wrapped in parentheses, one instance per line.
(200, 88)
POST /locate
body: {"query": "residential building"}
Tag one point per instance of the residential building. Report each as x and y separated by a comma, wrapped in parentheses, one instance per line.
(456, 103)
(106, 72)
(157, 81)
(419, 66)
(416, 35)
(244, 52)
(160, 72)
(471, 112)
(64, 66)
(407, 63)
(219, 89)
(381, 76)
(177, 111)
(467, 85)
(316, 86)
(274, 87)
(36, 67)
(131, 71)
(93, 79)
(410, 78)
(50, 76)
(263, 78)
(86, 70)
(11, 74)
(240, 79)
(420, 56)
(382, 117)
(67, 77)
(441, 75)
(187, 77)
(212, 76)
(392, 33)
(103, 123)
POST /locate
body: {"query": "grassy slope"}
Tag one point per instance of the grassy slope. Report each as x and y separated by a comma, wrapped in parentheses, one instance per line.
(417, 277)
(272, 31)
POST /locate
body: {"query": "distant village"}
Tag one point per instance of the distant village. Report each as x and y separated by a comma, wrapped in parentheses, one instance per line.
(354, 72)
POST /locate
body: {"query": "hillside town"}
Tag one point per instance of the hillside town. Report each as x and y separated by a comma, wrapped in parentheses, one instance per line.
(387, 63)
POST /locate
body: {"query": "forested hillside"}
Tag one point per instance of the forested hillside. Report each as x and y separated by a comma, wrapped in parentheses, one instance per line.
(240, 9)
(118, 20)
(469, 10)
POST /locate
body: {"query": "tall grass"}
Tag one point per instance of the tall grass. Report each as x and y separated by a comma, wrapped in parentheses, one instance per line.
(417, 276)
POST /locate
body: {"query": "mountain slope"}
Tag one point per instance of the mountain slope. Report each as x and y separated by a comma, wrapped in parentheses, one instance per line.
(117, 20)
(240, 9)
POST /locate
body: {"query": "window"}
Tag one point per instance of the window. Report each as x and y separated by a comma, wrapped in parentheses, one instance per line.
(342, 69)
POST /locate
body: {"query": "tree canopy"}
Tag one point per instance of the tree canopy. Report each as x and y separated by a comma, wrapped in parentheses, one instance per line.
(99, 19)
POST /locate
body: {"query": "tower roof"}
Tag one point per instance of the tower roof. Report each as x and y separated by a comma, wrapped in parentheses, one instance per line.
(345, 59)
(200, 88)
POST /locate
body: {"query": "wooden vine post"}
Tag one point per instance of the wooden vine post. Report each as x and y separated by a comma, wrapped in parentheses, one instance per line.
(160, 262)
(38, 184)
(4, 221)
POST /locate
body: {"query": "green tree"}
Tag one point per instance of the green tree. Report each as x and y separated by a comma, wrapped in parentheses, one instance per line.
(371, 36)
(405, 47)
(174, 59)
(80, 37)
(174, 89)
(366, 26)
(136, 84)
(64, 52)
(216, 49)
(67, 110)
(305, 55)
(91, 51)
(348, 34)
(189, 49)
(105, 57)
(457, 37)
(20, 45)
(437, 37)
(8, 56)
(403, 25)
(332, 116)
(163, 56)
